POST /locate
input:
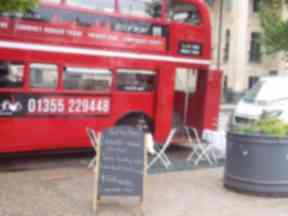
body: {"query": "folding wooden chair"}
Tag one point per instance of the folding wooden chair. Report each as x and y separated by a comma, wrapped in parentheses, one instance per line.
(93, 140)
(161, 155)
(200, 149)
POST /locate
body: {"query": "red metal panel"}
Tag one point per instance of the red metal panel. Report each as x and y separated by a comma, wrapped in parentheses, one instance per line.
(165, 99)
(70, 33)
(212, 99)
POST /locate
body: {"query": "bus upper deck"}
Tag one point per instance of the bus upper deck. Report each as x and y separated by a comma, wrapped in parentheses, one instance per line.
(175, 27)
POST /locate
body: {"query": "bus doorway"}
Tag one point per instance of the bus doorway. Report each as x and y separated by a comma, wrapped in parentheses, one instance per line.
(196, 100)
(185, 87)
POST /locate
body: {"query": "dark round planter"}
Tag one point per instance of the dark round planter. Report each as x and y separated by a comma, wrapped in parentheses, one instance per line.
(256, 164)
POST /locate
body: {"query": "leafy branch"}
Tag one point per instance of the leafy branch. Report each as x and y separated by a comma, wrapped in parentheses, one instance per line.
(17, 5)
(275, 27)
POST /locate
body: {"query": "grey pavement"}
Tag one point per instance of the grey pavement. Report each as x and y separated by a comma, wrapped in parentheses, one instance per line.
(64, 187)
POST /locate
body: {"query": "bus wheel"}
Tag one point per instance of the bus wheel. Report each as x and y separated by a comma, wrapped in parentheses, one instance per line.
(140, 122)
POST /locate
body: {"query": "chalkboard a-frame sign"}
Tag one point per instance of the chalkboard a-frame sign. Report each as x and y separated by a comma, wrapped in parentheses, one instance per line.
(121, 163)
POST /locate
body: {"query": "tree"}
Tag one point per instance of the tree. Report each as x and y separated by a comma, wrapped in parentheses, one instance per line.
(275, 26)
(17, 5)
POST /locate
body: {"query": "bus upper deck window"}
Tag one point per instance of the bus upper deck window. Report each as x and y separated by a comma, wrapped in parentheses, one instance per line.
(135, 80)
(11, 74)
(87, 79)
(99, 5)
(184, 13)
(144, 8)
(52, 1)
(43, 76)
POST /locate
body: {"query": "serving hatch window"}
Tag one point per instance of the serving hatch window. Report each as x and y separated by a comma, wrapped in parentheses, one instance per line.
(43, 76)
(11, 74)
(186, 80)
(135, 80)
(88, 79)
(144, 8)
(99, 5)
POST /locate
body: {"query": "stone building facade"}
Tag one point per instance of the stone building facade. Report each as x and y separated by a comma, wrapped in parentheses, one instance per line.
(242, 55)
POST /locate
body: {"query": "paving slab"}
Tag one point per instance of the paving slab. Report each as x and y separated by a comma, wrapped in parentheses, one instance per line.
(64, 188)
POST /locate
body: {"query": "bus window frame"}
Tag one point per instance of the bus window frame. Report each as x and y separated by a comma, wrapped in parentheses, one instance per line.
(40, 90)
(155, 87)
(163, 19)
(26, 76)
(54, 3)
(87, 92)
(64, 2)
(25, 69)
(201, 22)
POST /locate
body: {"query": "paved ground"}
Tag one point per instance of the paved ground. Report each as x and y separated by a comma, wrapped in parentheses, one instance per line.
(62, 186)
(58, 187)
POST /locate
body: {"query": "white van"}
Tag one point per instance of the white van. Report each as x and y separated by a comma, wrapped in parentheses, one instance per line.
(268, 96)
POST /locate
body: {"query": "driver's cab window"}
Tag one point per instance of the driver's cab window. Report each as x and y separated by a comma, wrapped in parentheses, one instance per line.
(184, 12)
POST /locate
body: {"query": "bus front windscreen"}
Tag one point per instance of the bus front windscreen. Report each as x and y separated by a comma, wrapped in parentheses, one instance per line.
(251, 94)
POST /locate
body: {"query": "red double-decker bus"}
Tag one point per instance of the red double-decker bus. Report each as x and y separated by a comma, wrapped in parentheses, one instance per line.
(70, 64)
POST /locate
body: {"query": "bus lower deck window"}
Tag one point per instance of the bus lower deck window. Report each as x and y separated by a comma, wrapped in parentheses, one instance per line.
(87, 79)
(43, 76)
(11, 74)
(135, 80)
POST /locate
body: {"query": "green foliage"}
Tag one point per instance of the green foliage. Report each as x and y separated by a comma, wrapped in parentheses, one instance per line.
(265, 126)
(17, 5)
(274, 26)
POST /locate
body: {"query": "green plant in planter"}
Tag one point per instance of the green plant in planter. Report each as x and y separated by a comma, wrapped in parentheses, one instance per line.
(269, 126)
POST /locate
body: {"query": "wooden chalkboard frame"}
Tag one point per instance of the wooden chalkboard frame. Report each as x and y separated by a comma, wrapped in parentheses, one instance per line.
(96, 195)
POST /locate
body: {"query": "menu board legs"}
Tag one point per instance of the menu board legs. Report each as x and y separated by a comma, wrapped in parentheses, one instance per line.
(96, 196)
(146, 140)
